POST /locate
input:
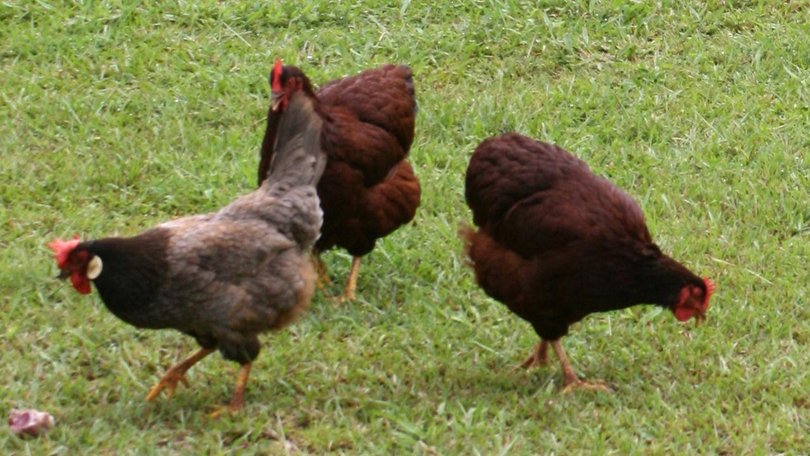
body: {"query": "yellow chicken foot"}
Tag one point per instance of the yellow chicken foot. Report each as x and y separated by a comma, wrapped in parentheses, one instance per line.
(571, 381)
(177, 373)
(238, 399)
(539, 356)
(351, 283)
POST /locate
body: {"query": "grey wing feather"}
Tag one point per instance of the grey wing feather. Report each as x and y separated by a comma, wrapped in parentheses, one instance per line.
(232, 250)
(226, 267)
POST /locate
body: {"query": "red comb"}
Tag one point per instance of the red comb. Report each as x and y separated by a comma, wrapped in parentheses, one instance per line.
(62, 249)
(275, 84)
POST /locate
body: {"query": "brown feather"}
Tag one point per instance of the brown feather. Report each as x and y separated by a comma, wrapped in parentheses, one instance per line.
(555, 242)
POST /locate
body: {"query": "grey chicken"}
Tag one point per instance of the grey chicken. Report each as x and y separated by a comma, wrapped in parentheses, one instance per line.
(224, 277)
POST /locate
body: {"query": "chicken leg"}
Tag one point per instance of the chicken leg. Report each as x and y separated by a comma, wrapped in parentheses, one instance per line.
(570, 380)
(238, 399)
(351, 283)
(177, 373)
(539, 356)
(323, 280)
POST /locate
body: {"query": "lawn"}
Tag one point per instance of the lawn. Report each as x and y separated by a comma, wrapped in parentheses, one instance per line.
(119, 115)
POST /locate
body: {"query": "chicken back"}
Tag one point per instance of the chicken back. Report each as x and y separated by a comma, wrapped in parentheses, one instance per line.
(556, 242)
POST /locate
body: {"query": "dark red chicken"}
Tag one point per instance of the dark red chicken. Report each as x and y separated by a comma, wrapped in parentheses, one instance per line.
(223, 277)
(368, 189)
(556, 243)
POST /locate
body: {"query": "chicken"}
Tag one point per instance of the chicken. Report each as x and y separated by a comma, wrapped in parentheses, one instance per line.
(556, 243)
(368, 189)
(222, 277)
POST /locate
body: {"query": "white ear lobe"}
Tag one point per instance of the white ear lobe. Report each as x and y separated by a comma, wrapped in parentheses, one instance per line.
(94, 268)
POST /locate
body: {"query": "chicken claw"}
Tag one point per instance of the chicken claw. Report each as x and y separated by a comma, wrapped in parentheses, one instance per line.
(571, 381)
(539, 356)
(593, 385)
(169, 383)
(346, 296)
(238, 399)
(351, 283)
(235, 405)
(223, 410)
(175, 374)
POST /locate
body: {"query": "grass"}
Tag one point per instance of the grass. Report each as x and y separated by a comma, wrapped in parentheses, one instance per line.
(117, 116)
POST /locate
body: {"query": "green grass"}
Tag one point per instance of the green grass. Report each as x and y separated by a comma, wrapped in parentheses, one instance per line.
(116, 117)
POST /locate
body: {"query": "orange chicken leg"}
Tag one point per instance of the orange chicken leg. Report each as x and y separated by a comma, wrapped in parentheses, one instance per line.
(539, 356)
(177, 373)
(571, 381)
(238, 399)
(351, 283)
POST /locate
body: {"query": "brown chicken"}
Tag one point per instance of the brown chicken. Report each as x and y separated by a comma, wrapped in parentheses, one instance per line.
(223, 277)
(368, 188)
(556, 243)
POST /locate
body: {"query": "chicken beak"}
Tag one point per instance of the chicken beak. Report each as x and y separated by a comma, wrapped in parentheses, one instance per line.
(277, 98)
(699, 319)
(63, 274)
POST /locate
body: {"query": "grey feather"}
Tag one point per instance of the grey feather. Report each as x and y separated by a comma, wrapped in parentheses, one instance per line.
(299, 159)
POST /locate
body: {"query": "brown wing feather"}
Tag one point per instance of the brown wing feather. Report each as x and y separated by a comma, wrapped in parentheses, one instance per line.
(383, 97)
(393, 201)
(368, 189)
(533, 197)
